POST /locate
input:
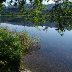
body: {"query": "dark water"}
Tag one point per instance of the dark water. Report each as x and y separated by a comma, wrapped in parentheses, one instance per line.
(55, 53)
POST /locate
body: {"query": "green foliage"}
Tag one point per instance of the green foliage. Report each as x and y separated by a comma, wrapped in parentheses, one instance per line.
(10, 48)
(61, 13)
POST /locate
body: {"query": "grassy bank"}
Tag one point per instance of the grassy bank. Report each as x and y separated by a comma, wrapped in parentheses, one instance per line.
(12, 47)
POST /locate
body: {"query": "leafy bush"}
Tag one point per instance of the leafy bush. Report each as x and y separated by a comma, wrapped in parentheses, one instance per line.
(10, 48)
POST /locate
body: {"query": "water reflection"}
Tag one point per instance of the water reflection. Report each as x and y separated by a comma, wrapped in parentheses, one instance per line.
(20, 28)
(55, 53)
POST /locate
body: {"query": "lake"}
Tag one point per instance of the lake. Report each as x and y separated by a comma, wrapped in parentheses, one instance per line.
(55, 52)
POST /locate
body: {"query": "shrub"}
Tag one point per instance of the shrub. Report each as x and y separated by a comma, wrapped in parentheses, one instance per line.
(10, 48)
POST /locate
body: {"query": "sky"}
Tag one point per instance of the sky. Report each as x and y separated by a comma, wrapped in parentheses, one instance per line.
(44, 2)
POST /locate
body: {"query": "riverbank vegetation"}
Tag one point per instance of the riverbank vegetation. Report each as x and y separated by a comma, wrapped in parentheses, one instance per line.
(12, 46)
(36, 14)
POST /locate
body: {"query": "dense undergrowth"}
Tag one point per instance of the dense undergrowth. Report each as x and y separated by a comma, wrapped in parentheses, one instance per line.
(12, 47)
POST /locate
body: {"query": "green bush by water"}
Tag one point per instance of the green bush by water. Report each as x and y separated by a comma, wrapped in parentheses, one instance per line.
(10, 48)
(12, 45)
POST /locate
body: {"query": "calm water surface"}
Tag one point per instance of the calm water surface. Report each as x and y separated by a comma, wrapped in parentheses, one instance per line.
(55, 53)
